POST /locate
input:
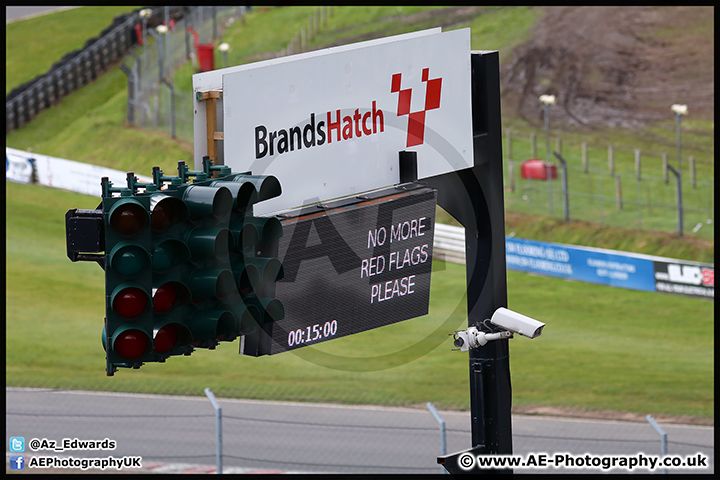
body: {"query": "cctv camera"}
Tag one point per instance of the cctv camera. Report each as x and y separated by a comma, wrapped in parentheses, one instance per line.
(517, 323)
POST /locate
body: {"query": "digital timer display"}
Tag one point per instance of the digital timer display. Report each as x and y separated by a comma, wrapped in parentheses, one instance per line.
(354, 267)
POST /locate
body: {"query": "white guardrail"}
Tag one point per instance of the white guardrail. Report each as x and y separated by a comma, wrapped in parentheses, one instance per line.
(449, 243)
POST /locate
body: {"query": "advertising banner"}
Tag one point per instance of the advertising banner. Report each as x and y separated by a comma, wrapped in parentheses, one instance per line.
(18, 167)
(685, 278)
(610, 267)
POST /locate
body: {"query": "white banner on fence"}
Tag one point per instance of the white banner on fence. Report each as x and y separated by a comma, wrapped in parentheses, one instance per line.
(60, 173)
(18, 168)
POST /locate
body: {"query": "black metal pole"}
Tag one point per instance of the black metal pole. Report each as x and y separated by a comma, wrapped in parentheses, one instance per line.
(482, 215)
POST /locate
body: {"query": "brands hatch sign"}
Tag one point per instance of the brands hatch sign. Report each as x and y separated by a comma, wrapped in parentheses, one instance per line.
(331, 123)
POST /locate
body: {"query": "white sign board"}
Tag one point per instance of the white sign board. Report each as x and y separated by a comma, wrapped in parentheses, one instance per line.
(332, 124)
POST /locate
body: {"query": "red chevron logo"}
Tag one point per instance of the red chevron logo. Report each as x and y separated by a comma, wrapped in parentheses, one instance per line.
(416, 120)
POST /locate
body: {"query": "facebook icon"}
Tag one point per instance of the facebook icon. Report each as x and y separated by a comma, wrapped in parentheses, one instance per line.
(17, 462)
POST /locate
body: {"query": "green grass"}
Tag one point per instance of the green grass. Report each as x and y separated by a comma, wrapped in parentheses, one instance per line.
(28, 54)
(631, 353)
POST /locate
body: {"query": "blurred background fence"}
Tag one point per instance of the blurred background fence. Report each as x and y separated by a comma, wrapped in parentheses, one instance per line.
(76, 69)
(639, 192)
(153, 102)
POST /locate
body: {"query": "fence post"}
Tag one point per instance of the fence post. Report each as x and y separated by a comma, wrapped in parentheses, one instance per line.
(618, 192)
(637, 193)
(558, 145)
(218, 427)
(172, 107)
(508, 136)
(565, 192)
(130, 93)
(665, 168)
(611, 161)
(638, 173)
(678, 196)
(511, 165)
(443, 442)
(602, 202)
(534, 144)
(663, 436)
(511, 174)
(692, 172)
(585, 157)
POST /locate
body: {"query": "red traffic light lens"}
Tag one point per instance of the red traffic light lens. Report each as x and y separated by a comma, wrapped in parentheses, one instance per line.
(131, 344)
(162, 216)
(128, 219)
(166, 338)
(167, 211)
(164, 298)
(130, 302)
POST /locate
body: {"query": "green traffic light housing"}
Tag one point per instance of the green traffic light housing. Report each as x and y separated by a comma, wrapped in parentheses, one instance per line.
(181, 260)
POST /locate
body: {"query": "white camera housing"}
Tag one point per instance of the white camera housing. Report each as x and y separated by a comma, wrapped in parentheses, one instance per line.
(473, 338)
(517, 323)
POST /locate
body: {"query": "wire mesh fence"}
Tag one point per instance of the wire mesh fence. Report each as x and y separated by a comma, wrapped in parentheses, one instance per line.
(153, 101)
(645, 197)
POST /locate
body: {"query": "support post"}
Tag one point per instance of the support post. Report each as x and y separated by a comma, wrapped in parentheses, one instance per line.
(663, 436)
(218, 428)
(533, 143)
(131, 93)
(210, 99)
(565, 192)
(172, 106)
(441, 422)
(679, 199)
(408, 166)
(481, 212)
(547, 156)
(693, 179)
